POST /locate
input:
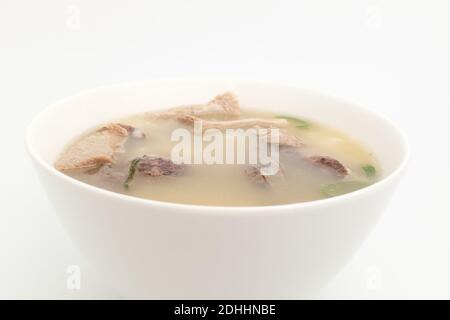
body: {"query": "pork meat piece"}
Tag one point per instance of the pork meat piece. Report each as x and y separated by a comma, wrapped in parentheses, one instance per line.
(158, 166)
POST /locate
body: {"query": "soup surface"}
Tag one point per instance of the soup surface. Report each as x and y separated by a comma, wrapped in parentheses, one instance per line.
(165, 156)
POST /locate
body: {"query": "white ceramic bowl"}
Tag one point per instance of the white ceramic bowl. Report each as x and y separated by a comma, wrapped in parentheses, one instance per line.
(152, 249)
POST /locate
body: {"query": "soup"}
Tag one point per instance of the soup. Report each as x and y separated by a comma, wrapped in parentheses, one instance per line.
(220, 154)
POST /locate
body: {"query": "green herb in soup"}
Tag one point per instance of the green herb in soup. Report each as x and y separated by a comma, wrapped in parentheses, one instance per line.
(297, 122)
(131, 172)
(342, 187)
(369, 170)
(137, 156)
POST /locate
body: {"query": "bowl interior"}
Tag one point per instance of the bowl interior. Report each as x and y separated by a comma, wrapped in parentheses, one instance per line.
(52, 129)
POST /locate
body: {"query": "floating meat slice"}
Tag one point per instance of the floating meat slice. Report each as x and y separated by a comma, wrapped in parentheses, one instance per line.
(226, 102)
(288, 140)
(285, 139)
(95, 149)
(107, 172)
(254, 173)
(133, 132)
(232, 124)
(158, 166)
(330, 163)
(116, 128)
(223, 104)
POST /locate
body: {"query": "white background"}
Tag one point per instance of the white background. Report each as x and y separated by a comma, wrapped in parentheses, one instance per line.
(393, 56)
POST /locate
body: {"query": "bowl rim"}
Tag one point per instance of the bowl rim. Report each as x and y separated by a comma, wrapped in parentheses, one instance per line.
(268, 209)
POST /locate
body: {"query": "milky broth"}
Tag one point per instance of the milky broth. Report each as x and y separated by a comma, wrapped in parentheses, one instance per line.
(229, 184)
